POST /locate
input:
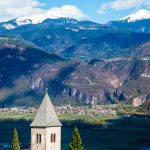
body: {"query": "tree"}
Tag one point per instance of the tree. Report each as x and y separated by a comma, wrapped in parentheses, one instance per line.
(76, 143)
(15, 142)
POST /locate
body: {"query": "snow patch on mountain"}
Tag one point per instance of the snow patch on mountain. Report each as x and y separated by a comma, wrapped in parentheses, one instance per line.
(8, 26)
(139, 15)
(33, 19)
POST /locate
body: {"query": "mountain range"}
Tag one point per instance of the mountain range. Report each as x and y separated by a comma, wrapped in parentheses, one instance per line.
(82, 61)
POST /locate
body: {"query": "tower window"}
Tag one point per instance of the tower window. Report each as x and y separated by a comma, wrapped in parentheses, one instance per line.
(38, 138)
(53, 138)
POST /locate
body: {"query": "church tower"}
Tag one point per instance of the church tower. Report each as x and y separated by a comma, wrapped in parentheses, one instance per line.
(46, 128)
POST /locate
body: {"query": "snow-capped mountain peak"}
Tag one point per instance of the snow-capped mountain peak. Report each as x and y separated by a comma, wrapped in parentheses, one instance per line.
(139, 15)
(39, 18)
(36, 19)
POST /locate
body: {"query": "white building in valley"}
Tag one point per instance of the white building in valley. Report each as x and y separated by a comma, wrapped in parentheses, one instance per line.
(46, 127)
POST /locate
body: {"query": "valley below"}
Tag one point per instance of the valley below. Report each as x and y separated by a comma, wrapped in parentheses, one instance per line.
(106, 127)
(94, 115)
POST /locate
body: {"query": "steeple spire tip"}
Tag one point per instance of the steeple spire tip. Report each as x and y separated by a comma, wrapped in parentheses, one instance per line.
(46, 88)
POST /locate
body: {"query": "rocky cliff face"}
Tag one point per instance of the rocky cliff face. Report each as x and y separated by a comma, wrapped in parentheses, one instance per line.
(101, 82)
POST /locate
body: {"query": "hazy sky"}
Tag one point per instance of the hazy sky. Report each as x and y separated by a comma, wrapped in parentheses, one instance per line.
(100, 11)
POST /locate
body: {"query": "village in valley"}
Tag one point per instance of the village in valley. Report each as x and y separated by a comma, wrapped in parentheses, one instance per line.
(98, 110)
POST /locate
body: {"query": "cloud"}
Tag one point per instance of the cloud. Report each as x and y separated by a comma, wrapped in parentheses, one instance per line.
(68, 11)
(19, 3)
(123, 5)
(102, 9)
(11, 9)
(126, 4)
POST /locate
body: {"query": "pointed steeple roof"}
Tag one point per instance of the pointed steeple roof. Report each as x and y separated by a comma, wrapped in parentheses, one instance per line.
(46, 115)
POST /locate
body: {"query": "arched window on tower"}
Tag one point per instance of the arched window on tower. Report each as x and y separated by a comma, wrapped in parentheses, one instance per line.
(38, 138)
(51, 138)
(54, 137)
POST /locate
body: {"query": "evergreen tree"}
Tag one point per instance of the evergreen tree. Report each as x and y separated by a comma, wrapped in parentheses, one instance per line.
(15, 142)
(76, 143)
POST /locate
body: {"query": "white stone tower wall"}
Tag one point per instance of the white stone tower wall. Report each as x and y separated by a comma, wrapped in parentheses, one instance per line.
(46, 143)
(34, 144)
(53, 145)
